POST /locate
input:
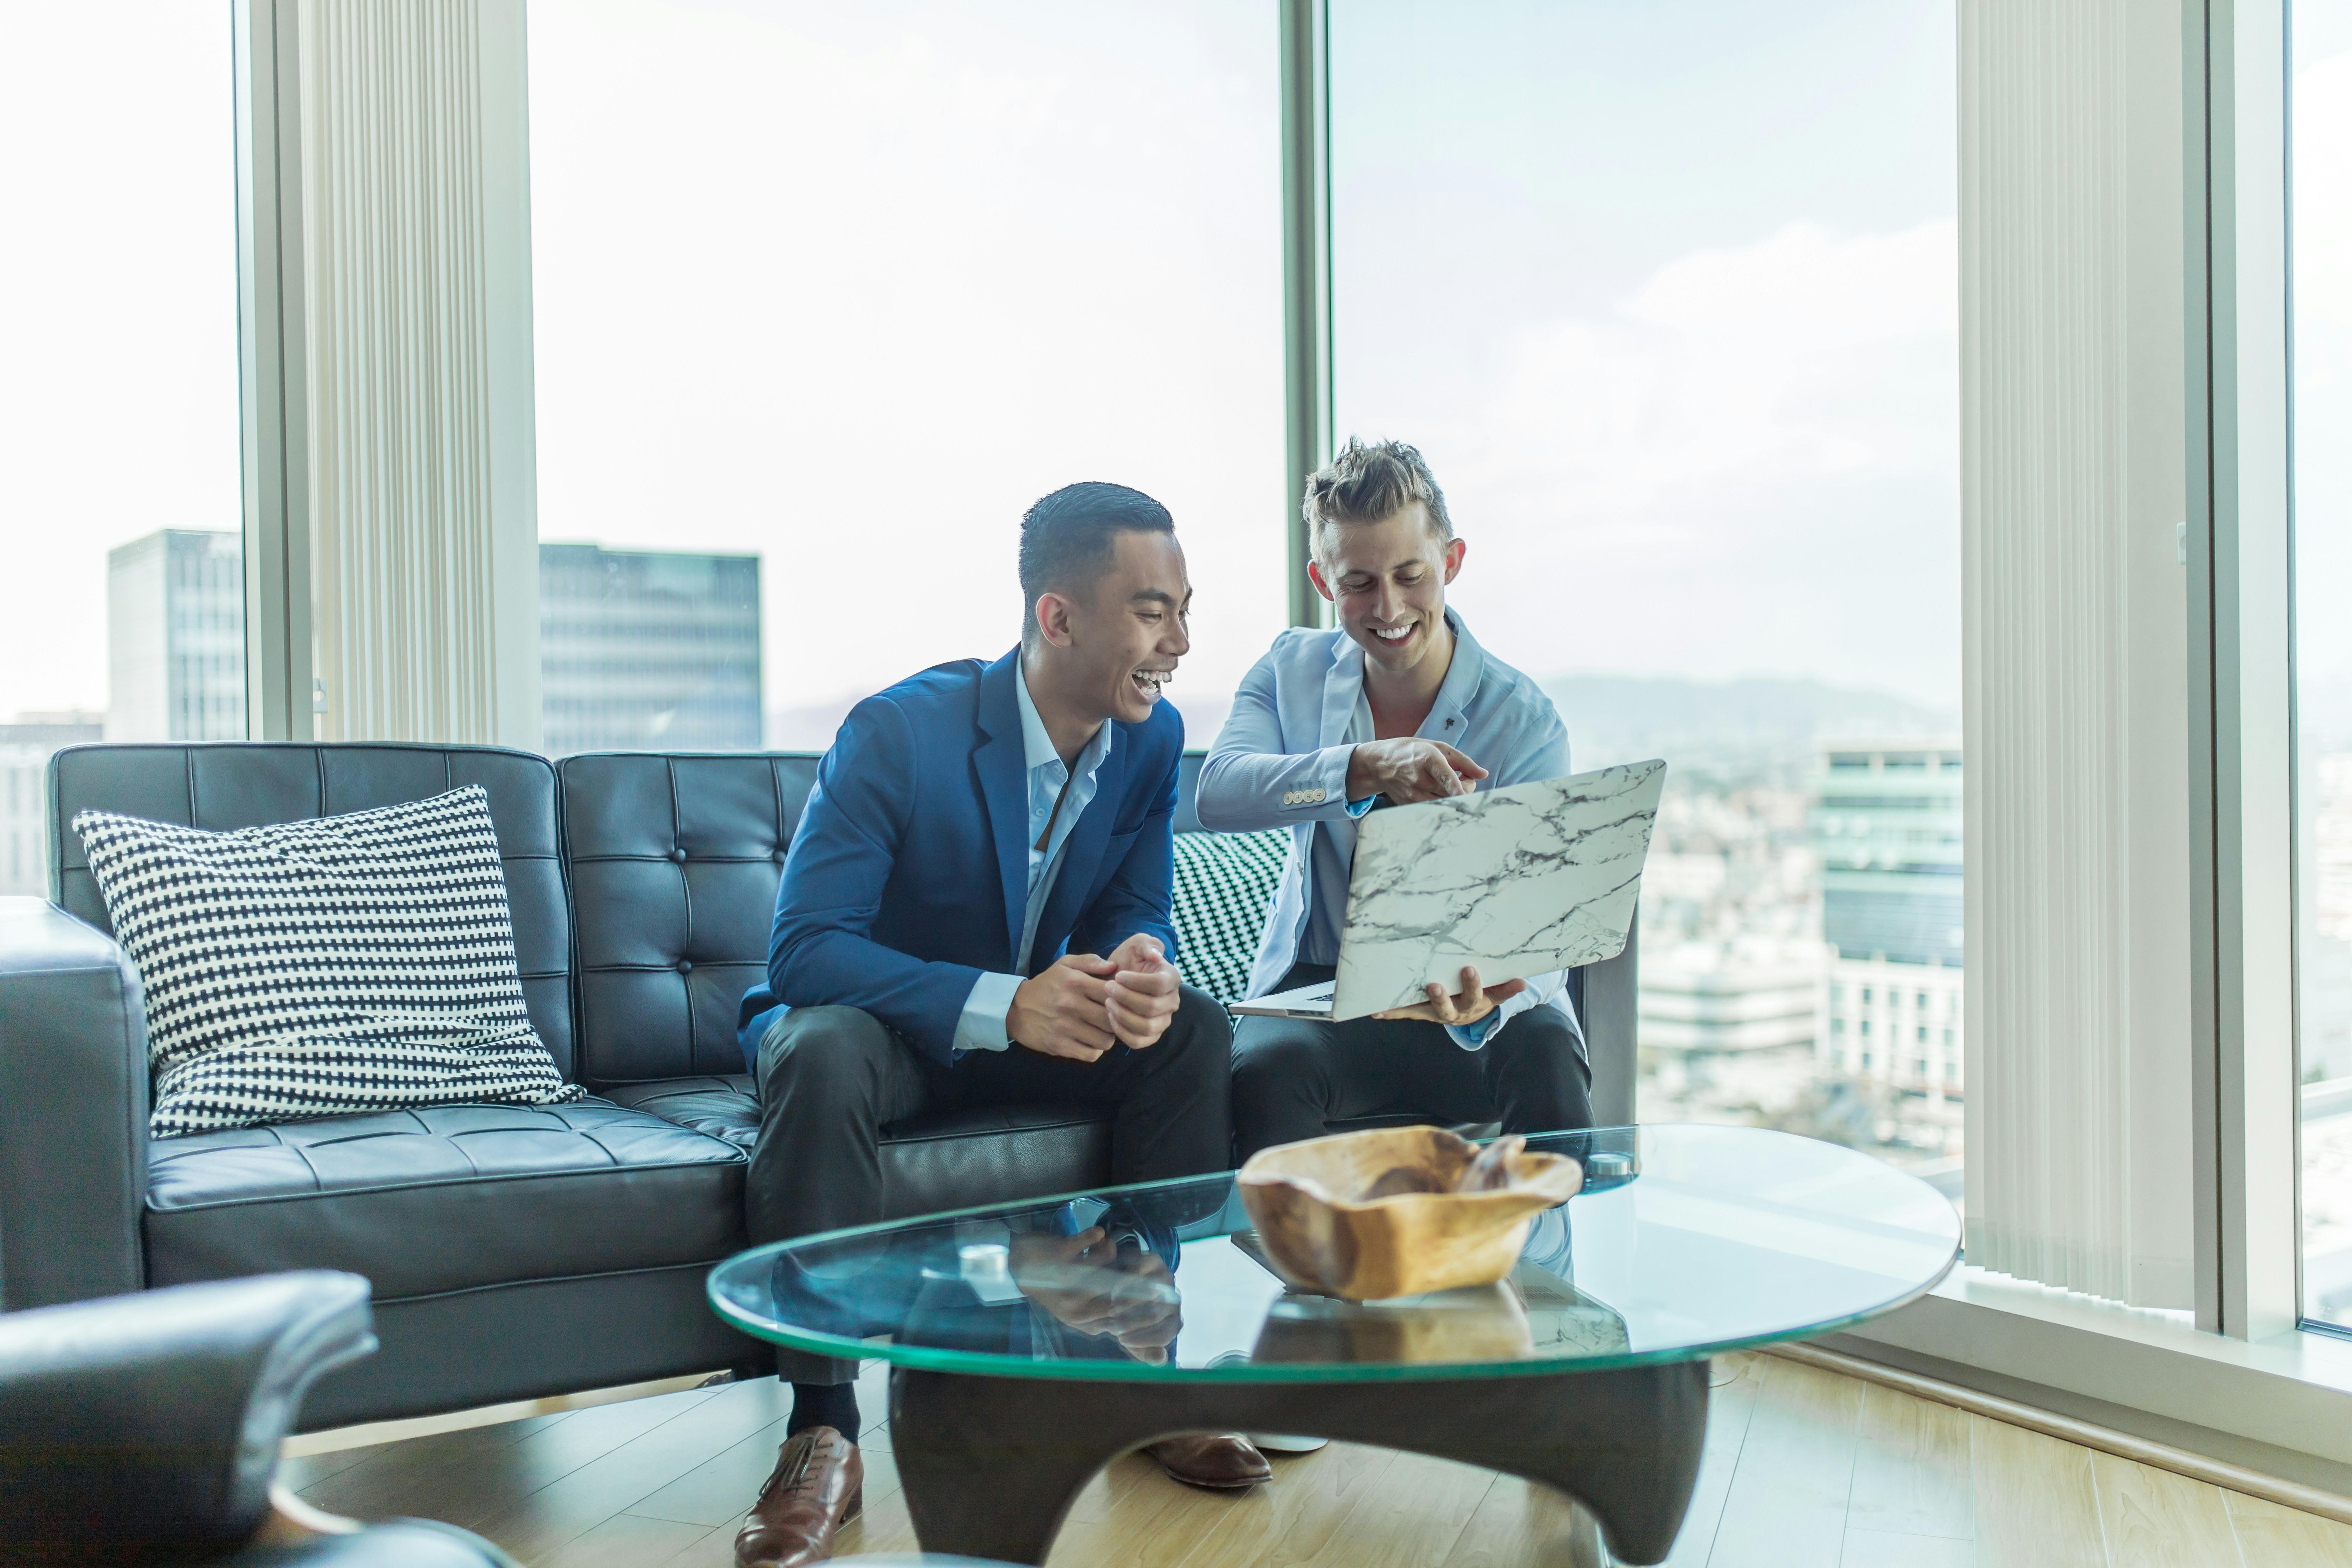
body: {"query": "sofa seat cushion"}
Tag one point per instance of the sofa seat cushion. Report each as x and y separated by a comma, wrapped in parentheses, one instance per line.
(942, 1160)
(446, 1199)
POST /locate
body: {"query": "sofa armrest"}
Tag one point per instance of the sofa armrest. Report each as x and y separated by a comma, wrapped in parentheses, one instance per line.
(1610, 1007)
(150, 1423)
(73, 1109)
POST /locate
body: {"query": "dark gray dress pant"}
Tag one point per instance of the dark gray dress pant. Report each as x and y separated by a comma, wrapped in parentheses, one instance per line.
(1293, 1077)
(830, 1079)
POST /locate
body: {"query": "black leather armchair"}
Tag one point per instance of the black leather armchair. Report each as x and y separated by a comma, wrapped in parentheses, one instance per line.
(145, 1429)
(515, 1252)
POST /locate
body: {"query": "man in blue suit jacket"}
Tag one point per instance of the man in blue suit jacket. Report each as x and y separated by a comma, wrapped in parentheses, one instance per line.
(975, 911)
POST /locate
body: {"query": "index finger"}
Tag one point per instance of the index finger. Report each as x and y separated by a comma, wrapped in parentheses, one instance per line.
(1458, 761)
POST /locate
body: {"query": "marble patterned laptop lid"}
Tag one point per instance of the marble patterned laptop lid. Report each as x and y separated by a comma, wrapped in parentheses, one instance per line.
(1518, 881)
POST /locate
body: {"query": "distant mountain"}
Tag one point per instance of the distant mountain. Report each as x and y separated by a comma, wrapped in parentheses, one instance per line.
(1767, 729)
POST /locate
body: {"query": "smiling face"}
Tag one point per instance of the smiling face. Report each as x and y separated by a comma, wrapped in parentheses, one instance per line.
(1387, 581)
(1111, 650)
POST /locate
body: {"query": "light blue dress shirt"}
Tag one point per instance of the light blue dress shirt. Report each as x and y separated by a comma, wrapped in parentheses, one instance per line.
(1282, 760)
(981, 1026)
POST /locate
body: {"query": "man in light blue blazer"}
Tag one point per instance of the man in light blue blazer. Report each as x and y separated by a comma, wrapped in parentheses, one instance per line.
(1399, 705)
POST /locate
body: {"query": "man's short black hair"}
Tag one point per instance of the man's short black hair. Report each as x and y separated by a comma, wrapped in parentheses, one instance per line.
(1068, 539)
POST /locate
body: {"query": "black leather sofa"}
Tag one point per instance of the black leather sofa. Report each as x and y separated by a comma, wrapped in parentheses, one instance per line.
(515, 1252)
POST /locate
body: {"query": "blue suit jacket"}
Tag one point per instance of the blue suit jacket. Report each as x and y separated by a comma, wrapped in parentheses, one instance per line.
(909, 875)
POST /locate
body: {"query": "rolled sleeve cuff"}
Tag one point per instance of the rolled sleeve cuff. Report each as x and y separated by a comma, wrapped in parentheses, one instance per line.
(1319, 788)
(980, 1026)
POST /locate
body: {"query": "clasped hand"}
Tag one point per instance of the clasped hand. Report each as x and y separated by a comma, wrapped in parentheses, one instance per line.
(1084, 1282)
(1081, 1005)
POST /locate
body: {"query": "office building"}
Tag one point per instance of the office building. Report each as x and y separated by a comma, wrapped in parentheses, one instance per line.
(24, 748)
(1696, 999)
(648, 648)
(175, 637)
(1887, 823)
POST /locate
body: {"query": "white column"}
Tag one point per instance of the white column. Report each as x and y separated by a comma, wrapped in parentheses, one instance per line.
(424, 548)
(2074, 609)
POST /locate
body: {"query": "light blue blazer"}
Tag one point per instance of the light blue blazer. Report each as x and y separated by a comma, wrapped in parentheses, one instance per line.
(1281, 760)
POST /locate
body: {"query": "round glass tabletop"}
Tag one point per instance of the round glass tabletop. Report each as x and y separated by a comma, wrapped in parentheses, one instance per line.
(1685, 1242)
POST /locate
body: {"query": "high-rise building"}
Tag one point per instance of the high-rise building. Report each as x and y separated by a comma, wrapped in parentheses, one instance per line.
(24, 748)
(648, 649)
(175, 637)
(1886, 823)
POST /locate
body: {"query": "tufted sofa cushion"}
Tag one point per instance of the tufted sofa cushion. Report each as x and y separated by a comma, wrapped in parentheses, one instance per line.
(449, 1198)
(675, 862)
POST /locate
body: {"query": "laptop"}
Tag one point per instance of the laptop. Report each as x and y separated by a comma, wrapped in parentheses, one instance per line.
(1514, 881)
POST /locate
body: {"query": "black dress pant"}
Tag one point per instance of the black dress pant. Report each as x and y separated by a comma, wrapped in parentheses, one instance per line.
(830, 1079)
(1293, 1077)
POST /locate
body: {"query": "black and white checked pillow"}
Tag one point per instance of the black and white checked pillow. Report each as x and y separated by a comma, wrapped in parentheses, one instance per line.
(308, 969)
(1224, 885)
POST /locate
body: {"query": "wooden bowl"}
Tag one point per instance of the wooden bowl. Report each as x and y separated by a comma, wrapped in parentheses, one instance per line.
(1399, 1211)
(1482, 1322)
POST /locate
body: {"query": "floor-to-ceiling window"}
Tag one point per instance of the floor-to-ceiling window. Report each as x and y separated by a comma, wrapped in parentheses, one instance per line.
(1667, 295)
(121, 607)
(826, 294)
(2321, 200)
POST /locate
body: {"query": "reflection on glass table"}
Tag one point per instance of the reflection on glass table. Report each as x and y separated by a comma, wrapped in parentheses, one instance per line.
(1031, 1343)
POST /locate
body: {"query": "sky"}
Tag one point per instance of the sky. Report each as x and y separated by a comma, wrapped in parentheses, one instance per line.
(118, 416)
(1665, 292)
(1668, 296)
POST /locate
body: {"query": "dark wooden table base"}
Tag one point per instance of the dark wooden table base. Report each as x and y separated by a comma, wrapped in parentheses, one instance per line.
(991, 1465)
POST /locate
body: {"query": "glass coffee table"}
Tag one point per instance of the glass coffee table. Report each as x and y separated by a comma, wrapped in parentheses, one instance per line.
(1032, 1343)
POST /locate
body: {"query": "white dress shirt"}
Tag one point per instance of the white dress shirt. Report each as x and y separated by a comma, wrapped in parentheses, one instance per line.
(981, 1026)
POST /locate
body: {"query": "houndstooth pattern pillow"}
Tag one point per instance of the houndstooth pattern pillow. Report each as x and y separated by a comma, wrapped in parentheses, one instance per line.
(307, 969)
(1224, 885)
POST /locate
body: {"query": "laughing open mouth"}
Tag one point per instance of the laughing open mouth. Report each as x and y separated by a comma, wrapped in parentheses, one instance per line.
(1150, 681)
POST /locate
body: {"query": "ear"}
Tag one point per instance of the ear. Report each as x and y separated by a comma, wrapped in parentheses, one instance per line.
(1315, 575)
(1052, 613)
(1453, 554)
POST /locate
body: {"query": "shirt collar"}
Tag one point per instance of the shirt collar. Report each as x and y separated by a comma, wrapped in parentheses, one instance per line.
(1453, 693)
(1462, 676)
(1037, 746)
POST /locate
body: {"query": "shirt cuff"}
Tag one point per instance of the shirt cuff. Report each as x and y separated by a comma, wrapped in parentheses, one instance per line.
(980, 1026)
(1470, 1036)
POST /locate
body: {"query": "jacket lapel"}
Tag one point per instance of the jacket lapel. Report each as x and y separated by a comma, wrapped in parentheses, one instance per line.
(1343, 688)
(1082, 853)
(1461, 683)
(1004, 767)
(1343, 683)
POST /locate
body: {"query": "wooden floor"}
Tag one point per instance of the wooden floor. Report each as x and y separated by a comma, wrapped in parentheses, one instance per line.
(1804, 1468)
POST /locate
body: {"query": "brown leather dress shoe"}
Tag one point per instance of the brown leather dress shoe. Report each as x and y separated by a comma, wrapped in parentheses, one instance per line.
(818, 1486)
(1223, 1461)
